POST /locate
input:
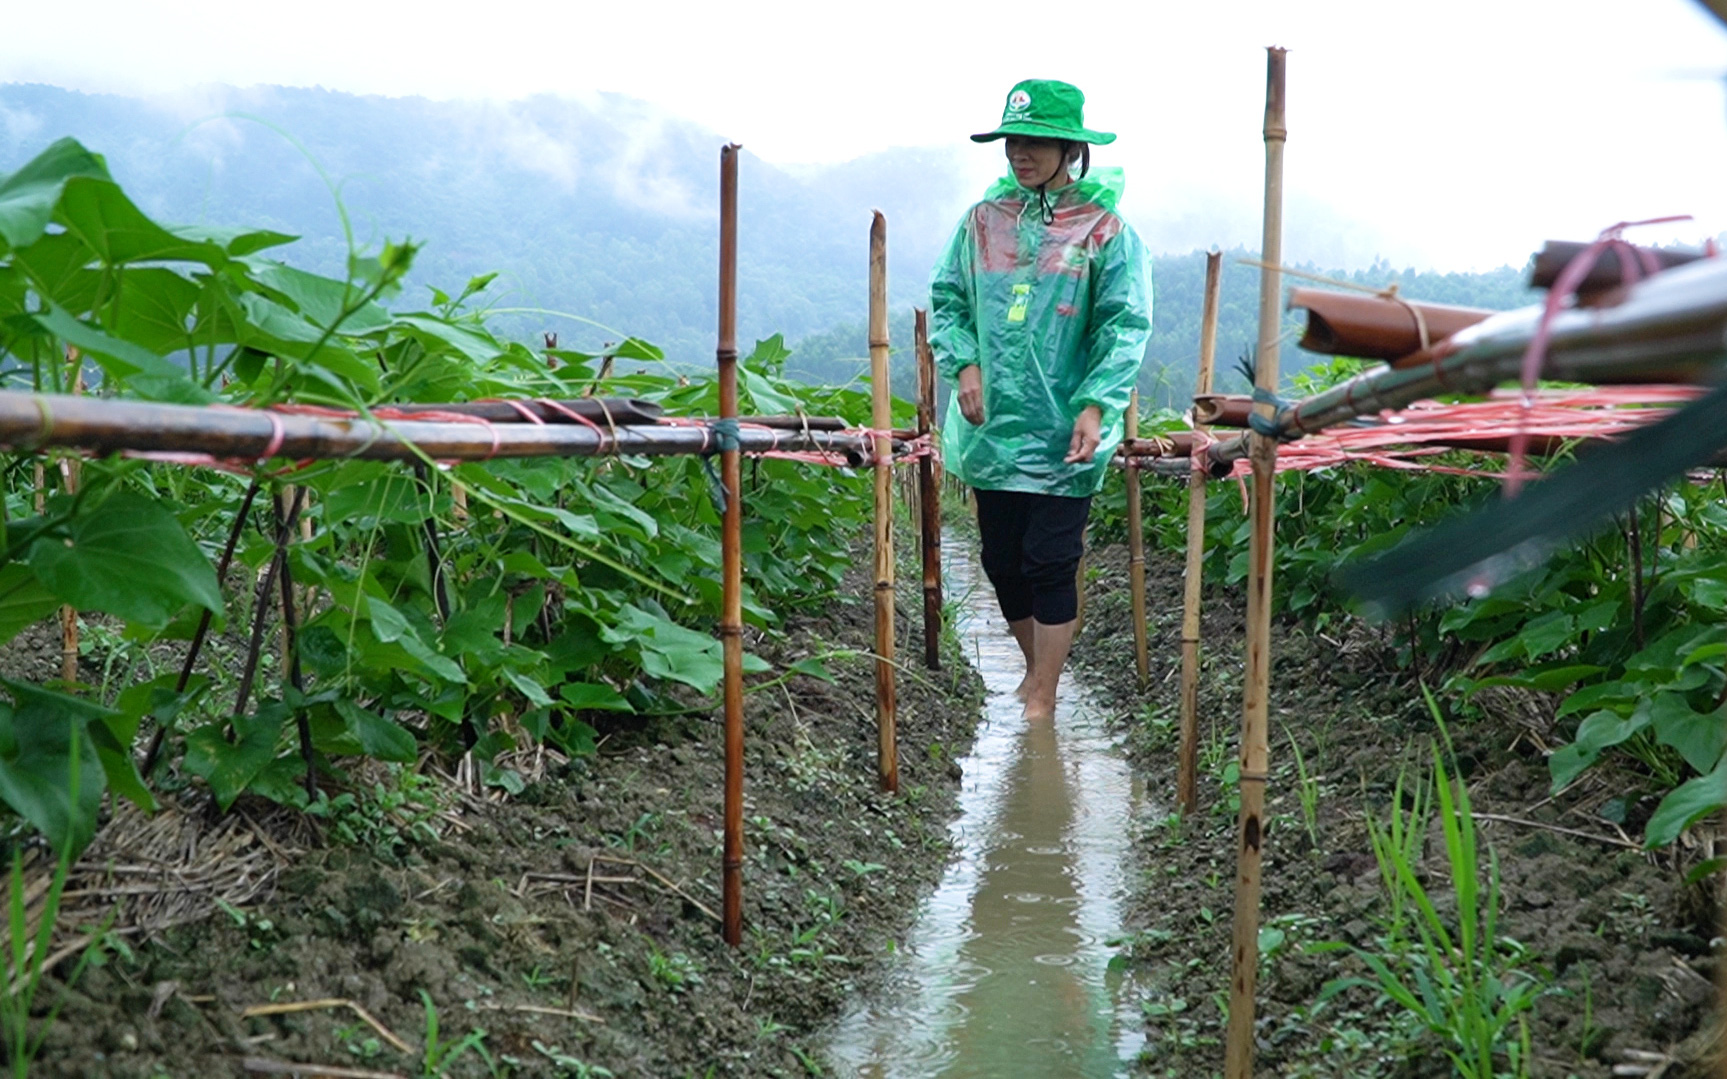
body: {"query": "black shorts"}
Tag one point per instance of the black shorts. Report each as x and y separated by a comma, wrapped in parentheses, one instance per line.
(1031, 549)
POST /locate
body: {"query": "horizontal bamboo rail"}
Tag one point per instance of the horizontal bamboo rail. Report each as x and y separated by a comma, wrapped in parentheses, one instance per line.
(1670, 328)
(36, 421)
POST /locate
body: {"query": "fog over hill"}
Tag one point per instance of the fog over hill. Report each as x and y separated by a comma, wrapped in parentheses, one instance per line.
(603, 208)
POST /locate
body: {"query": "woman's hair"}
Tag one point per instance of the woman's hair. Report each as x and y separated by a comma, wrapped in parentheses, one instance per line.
(1067, 147)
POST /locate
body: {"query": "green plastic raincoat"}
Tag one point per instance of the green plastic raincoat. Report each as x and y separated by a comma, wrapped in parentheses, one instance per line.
(1056, 318)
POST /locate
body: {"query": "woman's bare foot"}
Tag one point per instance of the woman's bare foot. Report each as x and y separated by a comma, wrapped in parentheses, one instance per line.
(1023, 690)
(1040, 708)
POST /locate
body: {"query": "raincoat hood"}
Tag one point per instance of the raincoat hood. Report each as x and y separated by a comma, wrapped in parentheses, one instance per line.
(1055, 315)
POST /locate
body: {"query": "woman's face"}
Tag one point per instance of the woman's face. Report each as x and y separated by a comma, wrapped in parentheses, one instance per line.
(1036, 161)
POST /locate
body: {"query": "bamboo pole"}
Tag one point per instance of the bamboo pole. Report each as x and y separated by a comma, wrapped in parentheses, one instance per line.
(731, 556)
(1136, 552)
(70, 475)
(1187, 768)
(929, 497)
(38, 421)
(881, 401)
(1255, 750)
(1670, 328)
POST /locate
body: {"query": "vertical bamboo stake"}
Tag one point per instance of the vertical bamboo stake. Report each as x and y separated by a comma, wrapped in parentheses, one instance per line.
(70, 469)
(1255, 753)
(881, 400)
(929, 497)
(1187, 768)
(731, 553)
(286, 641)
(1136, 551)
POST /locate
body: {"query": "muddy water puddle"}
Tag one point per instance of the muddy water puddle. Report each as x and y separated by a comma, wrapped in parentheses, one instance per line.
(1006, 972)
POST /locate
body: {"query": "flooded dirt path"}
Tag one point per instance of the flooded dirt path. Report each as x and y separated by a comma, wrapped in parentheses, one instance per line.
(1006, 972)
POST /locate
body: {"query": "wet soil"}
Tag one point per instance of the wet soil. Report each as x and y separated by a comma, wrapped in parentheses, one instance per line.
(513, 921)
(1623, 939)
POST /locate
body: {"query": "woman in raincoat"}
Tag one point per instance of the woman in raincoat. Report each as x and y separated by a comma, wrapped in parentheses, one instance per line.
(1039, 314)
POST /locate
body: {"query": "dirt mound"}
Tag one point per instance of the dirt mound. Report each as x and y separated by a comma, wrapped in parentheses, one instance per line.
(572, 922)
(1624, 937)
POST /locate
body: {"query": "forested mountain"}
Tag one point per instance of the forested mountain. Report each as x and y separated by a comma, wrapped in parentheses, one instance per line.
(601, 209)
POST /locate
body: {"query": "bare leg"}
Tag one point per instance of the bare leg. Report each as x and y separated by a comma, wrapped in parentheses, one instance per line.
(1050, 645)
(1022, 632)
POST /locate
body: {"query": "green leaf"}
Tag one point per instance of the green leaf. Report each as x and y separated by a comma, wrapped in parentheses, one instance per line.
(36, 764)
(1685, 805)
(1698, 736)
(528, 688)
(229, 768)
(812, 667)
(28, 196)
(769, 400)
(390, 627)
(434, 331)
(141, 370)
(377, 735)
(1597, 732)
(100, 214)
(1547, 633)
(129, 557)
(24, 600)
(1546, 680)
(668, 650)
(321, 300)
(589, 695)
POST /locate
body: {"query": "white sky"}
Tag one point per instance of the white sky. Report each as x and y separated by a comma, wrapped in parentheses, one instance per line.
(1455, 135)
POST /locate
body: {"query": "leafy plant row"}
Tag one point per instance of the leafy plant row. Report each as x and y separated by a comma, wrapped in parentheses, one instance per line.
(474, 608)
(1625, 629)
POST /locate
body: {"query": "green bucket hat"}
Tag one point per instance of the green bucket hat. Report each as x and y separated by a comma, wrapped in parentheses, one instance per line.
(1045, 109)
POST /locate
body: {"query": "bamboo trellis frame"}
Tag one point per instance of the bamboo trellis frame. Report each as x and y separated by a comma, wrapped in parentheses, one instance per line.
(226, 436)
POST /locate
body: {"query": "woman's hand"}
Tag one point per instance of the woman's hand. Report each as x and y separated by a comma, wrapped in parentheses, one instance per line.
(971, 394)
(1087, 433)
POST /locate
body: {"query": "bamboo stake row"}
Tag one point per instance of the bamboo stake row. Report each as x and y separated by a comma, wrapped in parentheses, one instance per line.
(1255, 749)
(1187, 768)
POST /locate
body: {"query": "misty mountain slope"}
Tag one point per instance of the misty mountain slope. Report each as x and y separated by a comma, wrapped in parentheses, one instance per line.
(604, 208)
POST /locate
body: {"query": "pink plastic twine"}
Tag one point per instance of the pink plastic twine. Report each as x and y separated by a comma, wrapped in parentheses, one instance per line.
(1631, 261)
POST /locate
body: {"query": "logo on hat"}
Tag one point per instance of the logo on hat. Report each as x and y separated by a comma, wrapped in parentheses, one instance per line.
(1018, 101)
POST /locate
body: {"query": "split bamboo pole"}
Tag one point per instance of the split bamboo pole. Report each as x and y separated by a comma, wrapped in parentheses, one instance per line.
(929, 497)
(1255, 750)
(881, 401)
(1136, 552)
(731, 556)
(1187, 768)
